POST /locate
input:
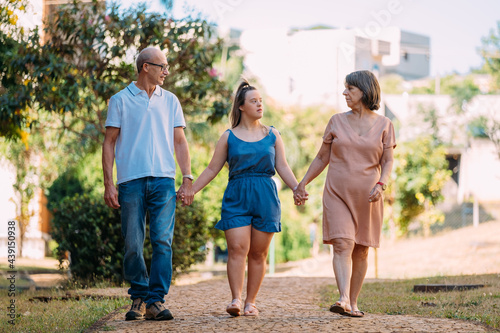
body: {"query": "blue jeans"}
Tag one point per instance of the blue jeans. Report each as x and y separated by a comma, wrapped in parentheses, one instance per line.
(136, 197)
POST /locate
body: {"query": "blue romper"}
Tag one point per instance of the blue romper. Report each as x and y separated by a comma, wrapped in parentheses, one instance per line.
(251, 196)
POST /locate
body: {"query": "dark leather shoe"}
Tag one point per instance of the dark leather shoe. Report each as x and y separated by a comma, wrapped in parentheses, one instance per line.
(137, 311)
(157, 311)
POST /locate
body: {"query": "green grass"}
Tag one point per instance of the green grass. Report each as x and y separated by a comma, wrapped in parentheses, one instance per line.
(21, 279)
(30, 269)
(56, 315)
(397, 298)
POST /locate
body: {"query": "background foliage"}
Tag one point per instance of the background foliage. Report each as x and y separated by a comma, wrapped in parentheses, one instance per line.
(90, 232)
(53, 99)
(420, 171)
(54, 93)
(490, 51)
(88, 56)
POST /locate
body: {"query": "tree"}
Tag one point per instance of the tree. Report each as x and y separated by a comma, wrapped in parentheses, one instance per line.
(490, 51)
(486, 127)
(12, 38)
(19, 153)
(392, 84)
(421, 170)
(88, 57)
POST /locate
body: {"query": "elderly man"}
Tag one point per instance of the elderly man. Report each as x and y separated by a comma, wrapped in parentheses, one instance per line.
(145, 125)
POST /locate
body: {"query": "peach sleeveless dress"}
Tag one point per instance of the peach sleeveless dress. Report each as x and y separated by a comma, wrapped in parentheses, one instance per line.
(353, 171)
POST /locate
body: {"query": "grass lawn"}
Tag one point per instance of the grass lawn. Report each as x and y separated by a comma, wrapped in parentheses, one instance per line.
(30, 269)
(397, 298)
(55, 315)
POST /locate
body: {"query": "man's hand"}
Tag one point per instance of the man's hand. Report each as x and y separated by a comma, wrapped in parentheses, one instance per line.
(185, 192)
(111, 196)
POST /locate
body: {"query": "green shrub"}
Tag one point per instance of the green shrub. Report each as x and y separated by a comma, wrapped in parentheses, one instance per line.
(293, 242)
(190, 236)
(66, 185)
(85, 176)
(91, 232)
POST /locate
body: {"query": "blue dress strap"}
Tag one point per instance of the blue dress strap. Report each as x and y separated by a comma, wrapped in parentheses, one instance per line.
(271, 128)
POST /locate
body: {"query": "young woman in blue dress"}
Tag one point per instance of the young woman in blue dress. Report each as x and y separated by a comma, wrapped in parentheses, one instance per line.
(251, 211)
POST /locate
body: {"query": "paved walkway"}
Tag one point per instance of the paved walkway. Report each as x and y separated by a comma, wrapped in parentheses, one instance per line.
(286, 304)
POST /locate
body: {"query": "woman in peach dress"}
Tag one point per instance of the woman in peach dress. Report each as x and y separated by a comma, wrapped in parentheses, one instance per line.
(358, 148)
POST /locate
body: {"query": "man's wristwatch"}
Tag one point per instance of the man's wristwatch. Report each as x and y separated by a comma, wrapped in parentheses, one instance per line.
(384, 186)
(188, 176)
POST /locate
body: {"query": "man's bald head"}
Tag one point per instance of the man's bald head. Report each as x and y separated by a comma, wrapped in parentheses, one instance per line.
(147, 55)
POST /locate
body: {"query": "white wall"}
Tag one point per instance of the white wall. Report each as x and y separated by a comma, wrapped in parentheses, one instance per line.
(480, 164)
(7, 206)
(480, 171)
(34, 245)
(306, 67)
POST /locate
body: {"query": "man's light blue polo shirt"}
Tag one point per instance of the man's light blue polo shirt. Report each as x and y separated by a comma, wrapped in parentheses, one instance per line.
(145, 145)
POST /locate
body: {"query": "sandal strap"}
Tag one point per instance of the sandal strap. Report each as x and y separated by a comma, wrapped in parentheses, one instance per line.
(236, 302)
(250, 307)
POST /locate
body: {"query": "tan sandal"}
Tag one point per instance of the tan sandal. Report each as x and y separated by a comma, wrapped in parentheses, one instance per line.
(234, 308)
(339, 308)
(251, 310)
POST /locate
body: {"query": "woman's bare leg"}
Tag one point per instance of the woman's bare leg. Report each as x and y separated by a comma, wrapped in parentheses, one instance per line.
(257, 262)
(359, 268)
(342, 267)
(238, 245)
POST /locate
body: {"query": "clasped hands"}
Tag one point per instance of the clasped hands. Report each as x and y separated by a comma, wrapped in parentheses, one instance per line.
(186, 193)
(300, 195)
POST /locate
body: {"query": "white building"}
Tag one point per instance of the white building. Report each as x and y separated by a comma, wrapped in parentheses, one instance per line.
(475, 162)
(308, 67)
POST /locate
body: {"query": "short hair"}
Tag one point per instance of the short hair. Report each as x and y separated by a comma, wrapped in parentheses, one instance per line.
(368, 84)
(144, 56)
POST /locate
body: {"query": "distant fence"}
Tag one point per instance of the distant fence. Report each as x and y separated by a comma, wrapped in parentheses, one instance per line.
(459, 216)
(462, 216)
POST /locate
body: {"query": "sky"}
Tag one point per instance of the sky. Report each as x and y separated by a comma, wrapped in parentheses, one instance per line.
(455, 27)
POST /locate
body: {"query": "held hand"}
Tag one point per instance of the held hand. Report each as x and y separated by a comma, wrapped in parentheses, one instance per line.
(111, 197)
(179, 194)
(375, 194)
(186, 193)
(300, 195)
(298, 201)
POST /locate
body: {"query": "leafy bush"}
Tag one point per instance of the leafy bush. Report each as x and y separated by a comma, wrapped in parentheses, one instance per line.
(293, 242)
(66, 185)
(190, 237)
(91, 232)
(421, 170)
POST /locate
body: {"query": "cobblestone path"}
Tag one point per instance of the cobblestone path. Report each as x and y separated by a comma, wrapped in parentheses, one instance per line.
(286, 304)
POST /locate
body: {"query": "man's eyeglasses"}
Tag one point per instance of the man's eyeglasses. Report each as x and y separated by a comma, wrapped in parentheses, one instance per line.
(163, 67)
